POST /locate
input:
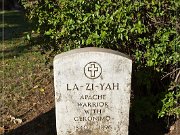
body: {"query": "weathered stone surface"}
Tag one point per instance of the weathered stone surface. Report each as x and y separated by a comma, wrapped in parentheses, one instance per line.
(92, 92)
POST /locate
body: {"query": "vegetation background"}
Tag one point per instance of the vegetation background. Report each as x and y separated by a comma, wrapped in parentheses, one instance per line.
(147, 30)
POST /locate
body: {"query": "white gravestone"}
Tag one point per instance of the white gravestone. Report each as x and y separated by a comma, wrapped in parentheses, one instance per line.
(92, 92)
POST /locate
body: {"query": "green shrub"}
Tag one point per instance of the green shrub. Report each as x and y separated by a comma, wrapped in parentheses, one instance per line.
(171, 102)
(147, 30)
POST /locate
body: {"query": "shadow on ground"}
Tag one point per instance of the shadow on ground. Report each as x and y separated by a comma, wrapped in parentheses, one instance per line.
(16, 51)
(42, 125)
(146, 127)
(14, 24)
(45, 125)
(15, 27)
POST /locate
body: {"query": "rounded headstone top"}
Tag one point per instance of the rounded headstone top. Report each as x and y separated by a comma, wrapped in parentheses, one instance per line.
(90, 49)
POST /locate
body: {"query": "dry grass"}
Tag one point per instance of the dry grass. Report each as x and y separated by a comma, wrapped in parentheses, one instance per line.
(26, 89)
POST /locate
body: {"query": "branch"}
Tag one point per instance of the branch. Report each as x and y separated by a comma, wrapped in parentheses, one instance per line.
(177, 76)
(171, 73)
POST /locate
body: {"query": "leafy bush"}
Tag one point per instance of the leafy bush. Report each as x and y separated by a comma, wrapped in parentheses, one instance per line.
(147, 30)
(171, 102)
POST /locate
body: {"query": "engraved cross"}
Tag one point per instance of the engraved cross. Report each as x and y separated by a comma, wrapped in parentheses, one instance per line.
(93, 70)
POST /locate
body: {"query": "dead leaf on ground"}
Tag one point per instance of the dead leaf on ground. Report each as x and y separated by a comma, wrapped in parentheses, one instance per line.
(1, 130)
